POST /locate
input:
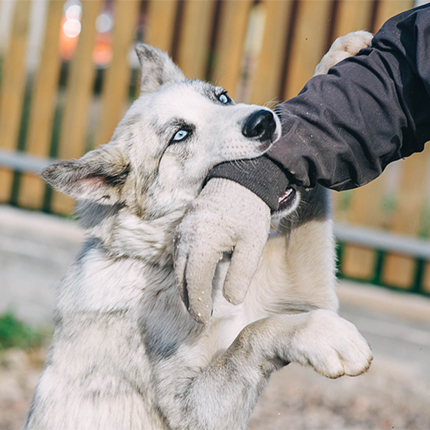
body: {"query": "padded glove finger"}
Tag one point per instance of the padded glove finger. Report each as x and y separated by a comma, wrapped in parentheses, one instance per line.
(199, 273)
(180, 263)
(243, 266)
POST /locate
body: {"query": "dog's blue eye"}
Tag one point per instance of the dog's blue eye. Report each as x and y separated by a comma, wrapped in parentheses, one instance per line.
(223, 98)
(180, 135)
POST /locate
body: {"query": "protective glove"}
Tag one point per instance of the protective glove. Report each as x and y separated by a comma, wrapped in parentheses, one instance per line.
(226, 216)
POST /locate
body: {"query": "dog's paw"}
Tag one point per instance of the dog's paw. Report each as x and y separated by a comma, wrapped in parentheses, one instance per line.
(331, 345)
(352, 43)
(344, 47)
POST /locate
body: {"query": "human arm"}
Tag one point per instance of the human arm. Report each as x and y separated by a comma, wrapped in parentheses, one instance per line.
(345, 127)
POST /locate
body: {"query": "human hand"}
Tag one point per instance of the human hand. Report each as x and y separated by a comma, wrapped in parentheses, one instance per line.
(225, 216)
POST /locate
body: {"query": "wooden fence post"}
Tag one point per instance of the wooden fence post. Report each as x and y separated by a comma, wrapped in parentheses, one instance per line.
(309, 43)
(398, 270)
(160, 27)
(389, 8)
(352, 15)
(268, 75)
(195, 36)
(43, 103)
(229, 49)
(13, 89)
(161, 23)
(79, 95)
(117, 79)
(366, 210)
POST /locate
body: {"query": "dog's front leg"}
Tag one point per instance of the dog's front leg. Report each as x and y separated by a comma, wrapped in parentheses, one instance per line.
(222, 396)
(320, 339)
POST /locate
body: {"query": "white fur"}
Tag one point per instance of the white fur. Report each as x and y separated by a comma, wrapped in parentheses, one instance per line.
(126, 354)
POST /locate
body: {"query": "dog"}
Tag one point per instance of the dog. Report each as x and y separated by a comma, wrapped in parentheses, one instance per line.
(125, 353)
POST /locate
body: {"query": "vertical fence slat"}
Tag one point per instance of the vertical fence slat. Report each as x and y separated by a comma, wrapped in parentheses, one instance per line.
(117, 78)
(79, 93)
(195, 38)
(365, 209)
(13, 89)
(161, 23)
(232, 33)
(389, 8)
(160, 27)
(265, 86)
(352, 15)
(309, 43)
(42, 109)
(398, 270)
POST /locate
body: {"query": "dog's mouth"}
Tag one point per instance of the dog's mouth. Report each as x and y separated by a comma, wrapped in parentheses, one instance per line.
(287, 199)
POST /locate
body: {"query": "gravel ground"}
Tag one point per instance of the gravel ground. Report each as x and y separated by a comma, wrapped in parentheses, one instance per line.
(19, 373)
(387, 397)
(390, 396)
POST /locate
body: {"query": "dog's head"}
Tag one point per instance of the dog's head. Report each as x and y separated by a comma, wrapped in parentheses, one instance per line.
(160, 153)
(169, 139)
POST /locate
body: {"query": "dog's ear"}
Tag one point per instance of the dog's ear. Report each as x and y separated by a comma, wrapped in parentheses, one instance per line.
(98, 176)
(157, 68)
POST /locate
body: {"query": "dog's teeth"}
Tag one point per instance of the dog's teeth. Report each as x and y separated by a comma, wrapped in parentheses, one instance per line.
(285, 195)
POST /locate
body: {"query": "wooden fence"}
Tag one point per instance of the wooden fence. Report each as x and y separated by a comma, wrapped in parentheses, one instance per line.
(261, 51)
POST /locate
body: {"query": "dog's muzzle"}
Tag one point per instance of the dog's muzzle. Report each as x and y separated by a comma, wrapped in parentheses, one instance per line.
(260, 125)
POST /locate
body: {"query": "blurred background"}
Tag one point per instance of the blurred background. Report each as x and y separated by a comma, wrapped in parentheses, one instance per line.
(68, 72)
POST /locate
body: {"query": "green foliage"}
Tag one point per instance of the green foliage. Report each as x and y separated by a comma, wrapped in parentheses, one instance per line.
(16, 334)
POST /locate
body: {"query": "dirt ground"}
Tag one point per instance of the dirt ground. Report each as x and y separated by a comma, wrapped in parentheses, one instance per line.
(389, 396)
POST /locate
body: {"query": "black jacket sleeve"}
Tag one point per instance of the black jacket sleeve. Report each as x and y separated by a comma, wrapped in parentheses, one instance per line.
(345, 127)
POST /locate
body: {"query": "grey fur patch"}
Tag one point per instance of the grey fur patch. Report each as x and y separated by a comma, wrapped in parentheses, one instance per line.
(157, 68)
(207, 90)
(314, 205)
(92, 214)
(124, 131)
(90, 243)
(165, 323)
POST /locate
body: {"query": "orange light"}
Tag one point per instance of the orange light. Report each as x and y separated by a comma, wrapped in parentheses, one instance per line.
(72, 27)
(67, 43)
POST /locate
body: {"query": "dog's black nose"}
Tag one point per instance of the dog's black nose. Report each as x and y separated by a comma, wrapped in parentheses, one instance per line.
(260, 125)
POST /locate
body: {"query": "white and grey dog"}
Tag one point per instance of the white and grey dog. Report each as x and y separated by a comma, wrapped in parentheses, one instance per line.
(126, 354)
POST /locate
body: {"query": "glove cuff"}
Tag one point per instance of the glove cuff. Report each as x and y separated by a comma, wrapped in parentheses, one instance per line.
(260, 175)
